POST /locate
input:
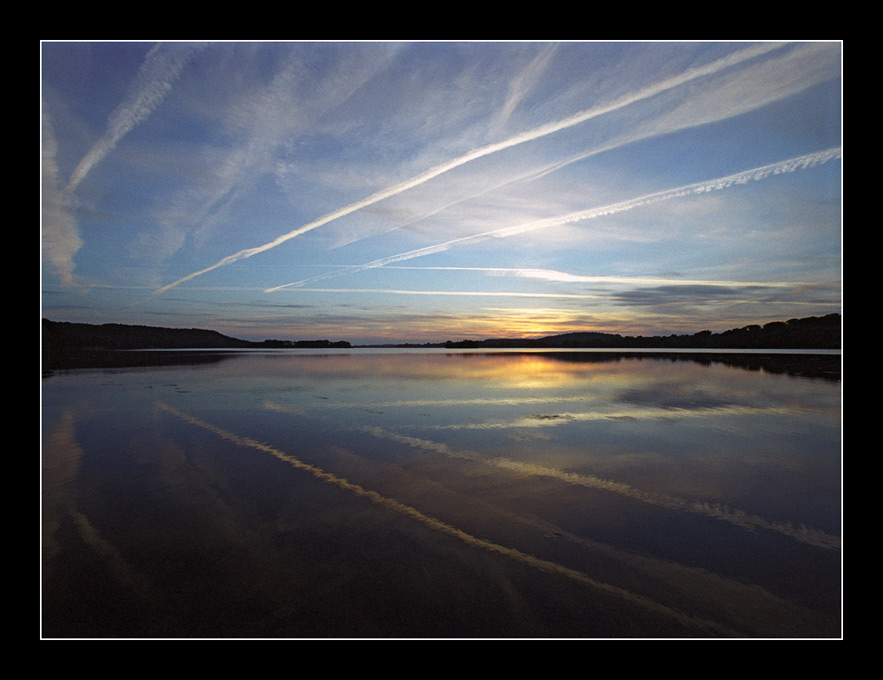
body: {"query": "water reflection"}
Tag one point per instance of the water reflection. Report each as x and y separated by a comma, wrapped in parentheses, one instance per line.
(418, 494)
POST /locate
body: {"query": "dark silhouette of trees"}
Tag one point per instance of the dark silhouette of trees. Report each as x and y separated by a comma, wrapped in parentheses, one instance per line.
(62, 340)
(808, 333)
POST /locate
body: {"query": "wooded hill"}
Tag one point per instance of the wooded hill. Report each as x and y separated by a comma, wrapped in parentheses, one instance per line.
(814, 332)
(61, 337)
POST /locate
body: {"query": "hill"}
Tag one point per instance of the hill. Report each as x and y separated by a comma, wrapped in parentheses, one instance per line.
(63, 339)
(63, 336)
(822, 332)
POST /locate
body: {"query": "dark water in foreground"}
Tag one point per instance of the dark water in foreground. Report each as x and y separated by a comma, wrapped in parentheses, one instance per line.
(430, 494)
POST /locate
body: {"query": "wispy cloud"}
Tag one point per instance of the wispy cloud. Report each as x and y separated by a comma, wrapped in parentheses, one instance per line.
(455, 293)
(526, 80)
(258, 122)
(61, 234)
(717, 184)
(553, 276)
(153, 82)
(732, 94)
(487, 150)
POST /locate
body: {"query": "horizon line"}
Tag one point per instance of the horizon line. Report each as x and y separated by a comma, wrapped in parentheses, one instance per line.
(549, 334)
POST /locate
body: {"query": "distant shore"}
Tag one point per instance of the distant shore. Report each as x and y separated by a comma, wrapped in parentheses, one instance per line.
(813, 332)
(60, 339)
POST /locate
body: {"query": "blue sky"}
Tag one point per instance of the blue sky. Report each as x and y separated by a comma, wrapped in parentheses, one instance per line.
(376, 191)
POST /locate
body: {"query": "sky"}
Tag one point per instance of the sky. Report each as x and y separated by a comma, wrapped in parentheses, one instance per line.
(429, 191)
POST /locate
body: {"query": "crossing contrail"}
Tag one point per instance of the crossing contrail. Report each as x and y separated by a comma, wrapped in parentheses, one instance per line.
(481, 152)
(739, 178)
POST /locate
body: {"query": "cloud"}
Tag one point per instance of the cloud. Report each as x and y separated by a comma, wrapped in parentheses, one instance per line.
(708, 186)
(456, 293)
(435, 524)
(693, 293)
(563, 277)
(61, 236)
(731, 94)
(154, 80)
(259, 122)
(526, 80)
(487, 150)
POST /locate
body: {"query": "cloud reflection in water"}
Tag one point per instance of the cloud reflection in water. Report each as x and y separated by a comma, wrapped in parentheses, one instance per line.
(555, 465)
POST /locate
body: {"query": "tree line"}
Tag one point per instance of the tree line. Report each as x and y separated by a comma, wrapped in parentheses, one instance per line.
(812, 332)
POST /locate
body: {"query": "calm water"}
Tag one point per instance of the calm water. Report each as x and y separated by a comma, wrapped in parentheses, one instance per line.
(433, 494)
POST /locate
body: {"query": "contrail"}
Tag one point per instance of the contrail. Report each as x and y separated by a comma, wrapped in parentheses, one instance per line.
(528, 136)
(447, 293)
(154, 80)
(744, 177)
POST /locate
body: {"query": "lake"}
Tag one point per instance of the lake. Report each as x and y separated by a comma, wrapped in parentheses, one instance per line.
(373, 493)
